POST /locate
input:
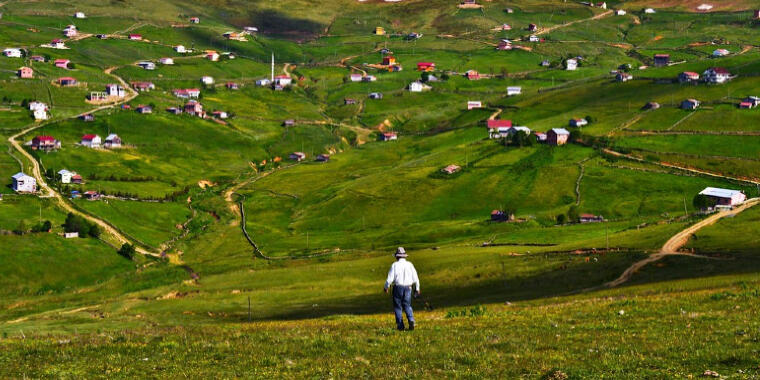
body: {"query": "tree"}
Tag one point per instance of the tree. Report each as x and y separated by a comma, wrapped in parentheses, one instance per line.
(589, 119)
(573, 214)
(561, 219)
(425, 76)
(127, 251)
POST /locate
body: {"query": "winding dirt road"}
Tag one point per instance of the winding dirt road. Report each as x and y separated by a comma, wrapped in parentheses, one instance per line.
(675, 243)
(555, 27)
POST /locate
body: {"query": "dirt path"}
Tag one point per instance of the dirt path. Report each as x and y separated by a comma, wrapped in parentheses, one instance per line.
(495, 114)
(676, 242)
(555, 27)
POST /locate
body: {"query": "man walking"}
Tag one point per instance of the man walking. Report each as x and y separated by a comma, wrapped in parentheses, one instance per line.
(403, 276)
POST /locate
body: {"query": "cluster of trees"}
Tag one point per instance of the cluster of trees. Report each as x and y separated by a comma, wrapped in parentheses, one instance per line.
(573, 216)
(114, 178)
(75, 223)
(703, 202)
(127, 250)
(519, 139)
(23, 228)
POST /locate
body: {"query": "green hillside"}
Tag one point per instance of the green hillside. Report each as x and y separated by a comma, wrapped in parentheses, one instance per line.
(210, 250)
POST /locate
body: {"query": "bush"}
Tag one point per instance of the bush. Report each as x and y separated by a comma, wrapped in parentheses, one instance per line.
(127, 251)
(561, 219)
(75, 223)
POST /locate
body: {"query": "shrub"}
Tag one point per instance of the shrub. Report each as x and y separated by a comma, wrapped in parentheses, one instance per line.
(127, 251)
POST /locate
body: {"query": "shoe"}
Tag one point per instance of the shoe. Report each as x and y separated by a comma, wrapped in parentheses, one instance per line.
(400, 328)
(411, 326)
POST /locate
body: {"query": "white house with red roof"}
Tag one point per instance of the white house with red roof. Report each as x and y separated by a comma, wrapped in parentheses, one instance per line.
(62, 63)
(498, 128)
(91, 141)
(135, 37)
(187, 93)
(688, 77)
(283, 80)
(716, 75)
(388, 136)
(472, 104)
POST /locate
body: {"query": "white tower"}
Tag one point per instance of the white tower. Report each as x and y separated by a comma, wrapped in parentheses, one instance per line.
(272, 68)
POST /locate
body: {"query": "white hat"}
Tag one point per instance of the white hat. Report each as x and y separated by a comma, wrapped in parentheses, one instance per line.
(400, 252)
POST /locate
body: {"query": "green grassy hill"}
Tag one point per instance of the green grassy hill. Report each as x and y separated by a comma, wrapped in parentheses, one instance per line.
(527, 298)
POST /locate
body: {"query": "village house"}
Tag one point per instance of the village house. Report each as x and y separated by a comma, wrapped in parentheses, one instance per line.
(514, 90)
(623, 76)
(720, 53)
(534, 38)
(650, 11)
(425, 66)
(91, 141)
(40, 115)
(661, 60)
(35, 105)
(207, 80)
(376, 95)
(180, 49)
(571, 64)
(591, 218)
(389, 60)
(79, 15)
(143, 109)
(578, 123)
(115, 90)
(25, 73)
(297, 156)
(195, 20)
(135, 37)
(472, 104)
(64, 176)
(23, 183)
(194, 108)
(263, 82)
(187, 93)
(504, 45)
(516, 130)
(724, 197)
(212, 56)
(506, 27)
(220, 114)
(232, 86)
(288, 123)
(323, 158)
(166, 61)
(540, 137)
(112, 141)
(690, 104)
(380, 31)
(388, 136)
(355, 77)
(70, 235)
(12, 53)
(545, 63)
(143, 86)
(62, 63)
(102, 36)
(651, 106)
(37, 58)
(70, 31)
(67, 81)
(501, 216)
(418, 86)
(498, 128)
(472, 75)
(45, 143)
(147, 65)
(88, 117)
(753, 100)
(283, 80)
(620, 12)
(57, 44)
(746, 105)
(174, 110)
(756, 15)
(532, 27)
(557, 136)
(349, 101)
(91, 195)
(716, 75)
(688, 77)
(451, 169)
(251, 29)
(369, 78)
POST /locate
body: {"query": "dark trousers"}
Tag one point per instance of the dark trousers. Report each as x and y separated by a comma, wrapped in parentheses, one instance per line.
(402, 303)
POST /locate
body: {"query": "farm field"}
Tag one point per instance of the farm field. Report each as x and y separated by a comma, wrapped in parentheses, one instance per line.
(265, 159)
